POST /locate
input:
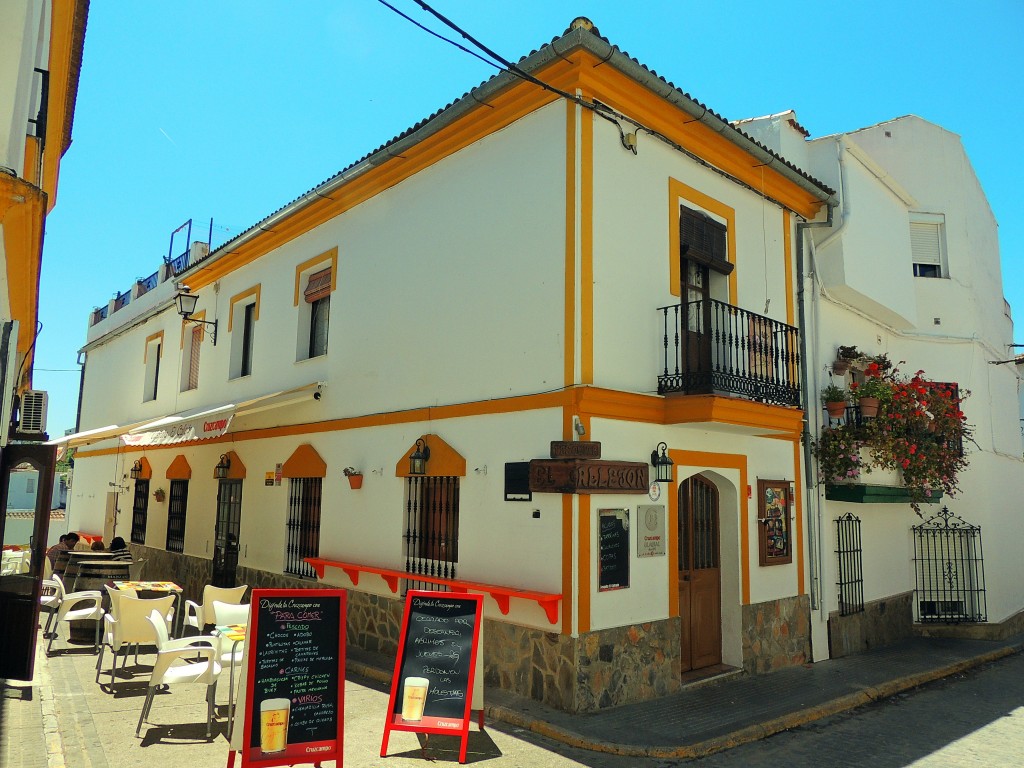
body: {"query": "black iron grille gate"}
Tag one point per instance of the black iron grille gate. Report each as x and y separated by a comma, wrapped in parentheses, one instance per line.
(303, 525)
(950, 570)
(851, 567)
(431, 529)
(176, 510)
(140, 508)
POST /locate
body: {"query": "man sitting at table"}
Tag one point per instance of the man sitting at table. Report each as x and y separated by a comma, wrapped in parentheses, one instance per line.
(119, 549)
(66, 544)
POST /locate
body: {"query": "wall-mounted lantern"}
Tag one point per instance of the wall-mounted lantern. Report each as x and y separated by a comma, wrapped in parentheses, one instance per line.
(418, 459)
(220, 471)
(662, 464)
(136, 471)
(186, 302)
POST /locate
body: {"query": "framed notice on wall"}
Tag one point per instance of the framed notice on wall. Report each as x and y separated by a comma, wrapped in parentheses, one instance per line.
(774, 535)
(612, 549)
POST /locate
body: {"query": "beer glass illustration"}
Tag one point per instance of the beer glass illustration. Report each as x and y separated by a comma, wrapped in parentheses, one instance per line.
(414, 697)
(274, 724)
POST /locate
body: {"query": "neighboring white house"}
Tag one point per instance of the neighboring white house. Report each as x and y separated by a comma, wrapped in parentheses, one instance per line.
(910, 268)
(543, 297)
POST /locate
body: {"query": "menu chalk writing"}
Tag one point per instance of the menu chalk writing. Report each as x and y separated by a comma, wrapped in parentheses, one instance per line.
(294, 708)
(431, 690)
(613, 549)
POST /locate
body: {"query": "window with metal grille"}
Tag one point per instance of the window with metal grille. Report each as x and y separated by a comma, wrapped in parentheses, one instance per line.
(431, 538)
(950, 570)
(140, 508)
(851, 567)
(303, 525)
(176, 516)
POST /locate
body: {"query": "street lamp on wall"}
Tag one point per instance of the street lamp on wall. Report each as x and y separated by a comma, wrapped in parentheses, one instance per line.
(220, 471)
(418, 459)
(136, 471)
(186, 303)
(662, 464)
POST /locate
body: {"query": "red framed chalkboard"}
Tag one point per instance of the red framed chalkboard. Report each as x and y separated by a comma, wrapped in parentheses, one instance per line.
(294, 708)
(432, 686)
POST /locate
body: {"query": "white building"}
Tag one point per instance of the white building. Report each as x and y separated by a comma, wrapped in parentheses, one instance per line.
(497, 290)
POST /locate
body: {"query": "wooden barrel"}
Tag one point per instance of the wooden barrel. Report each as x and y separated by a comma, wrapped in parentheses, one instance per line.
(73, 570)
(93, 574)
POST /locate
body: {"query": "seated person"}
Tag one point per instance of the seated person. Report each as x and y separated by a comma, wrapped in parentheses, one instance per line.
(97, 546)
(119, 549)
(67, 543)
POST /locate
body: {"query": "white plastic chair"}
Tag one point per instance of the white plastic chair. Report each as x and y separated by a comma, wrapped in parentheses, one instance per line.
(135, 569)
(229, 613)
(196, 614)
(78, 606)
(128, 625)
(167, 672)
(50, 598)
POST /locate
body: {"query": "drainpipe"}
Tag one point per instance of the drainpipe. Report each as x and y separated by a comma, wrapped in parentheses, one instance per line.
(813, 504)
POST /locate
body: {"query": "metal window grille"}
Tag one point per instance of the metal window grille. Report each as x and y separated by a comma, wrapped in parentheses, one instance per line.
(303, 525)
(431, 529)
(226, 533)
(176, 516)
(140, 508)
(851, 565)
(950, 570)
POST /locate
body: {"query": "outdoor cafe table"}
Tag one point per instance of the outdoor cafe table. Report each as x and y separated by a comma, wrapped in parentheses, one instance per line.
(236, 634)
(158, 586)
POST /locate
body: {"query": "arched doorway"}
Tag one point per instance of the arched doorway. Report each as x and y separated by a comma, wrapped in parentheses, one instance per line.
(700, 581)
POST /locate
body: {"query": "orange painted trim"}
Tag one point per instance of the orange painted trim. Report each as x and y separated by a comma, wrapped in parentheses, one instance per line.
(567, 569)
(444, 460)
(701, 460)
(236, 471)
(158, 336)
(146, 473)
(62, 47)
(189, 327)
(179, 469)
(304, 462)
(787, 263)
(587, 249)
(798, 507)
(316, 261)
(767, 420)
(586, 555)
(569, 375)
(254, 291)
(677, 191)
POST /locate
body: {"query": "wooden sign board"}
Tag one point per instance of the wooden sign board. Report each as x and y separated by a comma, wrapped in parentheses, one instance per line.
(432, 686)
(294, 701)
(575, 449)
(584, 476)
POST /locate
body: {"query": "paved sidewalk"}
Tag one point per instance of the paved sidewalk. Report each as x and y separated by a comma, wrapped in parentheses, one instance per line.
(63, 719)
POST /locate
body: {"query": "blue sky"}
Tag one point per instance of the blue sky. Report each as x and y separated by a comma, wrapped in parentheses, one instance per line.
(231, 109)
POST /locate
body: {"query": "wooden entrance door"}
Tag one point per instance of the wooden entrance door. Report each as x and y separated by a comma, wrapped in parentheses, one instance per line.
(700, 582)
(696, 293)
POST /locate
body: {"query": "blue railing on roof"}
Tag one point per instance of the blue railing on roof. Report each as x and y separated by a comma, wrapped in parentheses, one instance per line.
(179, 263)
(149, 283)
(122, 300)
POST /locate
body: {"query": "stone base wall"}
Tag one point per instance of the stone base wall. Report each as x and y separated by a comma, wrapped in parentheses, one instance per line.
(882, 622)
(1014, 625)
(776, 634)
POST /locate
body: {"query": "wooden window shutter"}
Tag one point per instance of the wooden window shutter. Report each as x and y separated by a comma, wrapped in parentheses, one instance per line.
(318, 286)
(193, 361)
(702, 239)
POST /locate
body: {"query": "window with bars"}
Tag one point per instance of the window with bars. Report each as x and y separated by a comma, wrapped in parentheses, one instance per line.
(851, 568)
(176, 508)
(431, 538)
(140, 509)
(303, 526)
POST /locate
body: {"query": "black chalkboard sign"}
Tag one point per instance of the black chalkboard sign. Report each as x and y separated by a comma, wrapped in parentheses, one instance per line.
(294, 704)
(613, 549)
(432, 688)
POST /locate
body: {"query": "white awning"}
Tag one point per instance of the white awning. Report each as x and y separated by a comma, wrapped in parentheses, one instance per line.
(205, 424)
(87, 436)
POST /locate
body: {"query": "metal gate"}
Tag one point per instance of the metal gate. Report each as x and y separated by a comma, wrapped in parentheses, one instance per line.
(851, 568)
(950, 570)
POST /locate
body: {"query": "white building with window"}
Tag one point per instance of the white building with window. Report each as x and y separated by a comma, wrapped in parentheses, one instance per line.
(458, 364)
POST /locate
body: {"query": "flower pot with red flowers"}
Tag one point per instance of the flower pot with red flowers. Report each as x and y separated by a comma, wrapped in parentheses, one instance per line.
(874, 392)
(159, 494)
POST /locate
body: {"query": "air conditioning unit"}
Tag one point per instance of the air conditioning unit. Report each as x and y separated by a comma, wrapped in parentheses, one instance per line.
(33, 412)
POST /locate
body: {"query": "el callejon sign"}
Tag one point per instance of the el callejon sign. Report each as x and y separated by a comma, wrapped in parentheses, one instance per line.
(583, 476)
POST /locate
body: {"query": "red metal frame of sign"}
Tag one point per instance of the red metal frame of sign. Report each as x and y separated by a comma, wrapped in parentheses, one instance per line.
(447, 725)
(302, 752)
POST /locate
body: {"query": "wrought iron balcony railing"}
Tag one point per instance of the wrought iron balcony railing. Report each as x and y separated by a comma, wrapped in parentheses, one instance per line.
(714, 347)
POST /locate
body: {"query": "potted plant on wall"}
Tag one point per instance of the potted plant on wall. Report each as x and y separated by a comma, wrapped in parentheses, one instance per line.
(876, 389)
(844, 357)
(355, 477)
(834, 400)
(159, 495)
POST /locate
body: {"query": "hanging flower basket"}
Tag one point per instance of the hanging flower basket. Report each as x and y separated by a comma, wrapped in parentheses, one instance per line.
(869, 407)
(355, 478)
(159, 495)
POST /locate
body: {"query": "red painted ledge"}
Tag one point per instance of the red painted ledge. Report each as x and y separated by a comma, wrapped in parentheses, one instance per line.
(548, 601)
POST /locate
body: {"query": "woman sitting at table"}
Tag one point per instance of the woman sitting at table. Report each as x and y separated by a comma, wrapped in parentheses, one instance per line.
(119, 549)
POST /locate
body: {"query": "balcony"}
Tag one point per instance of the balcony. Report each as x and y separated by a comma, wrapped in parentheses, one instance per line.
(711, 347)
